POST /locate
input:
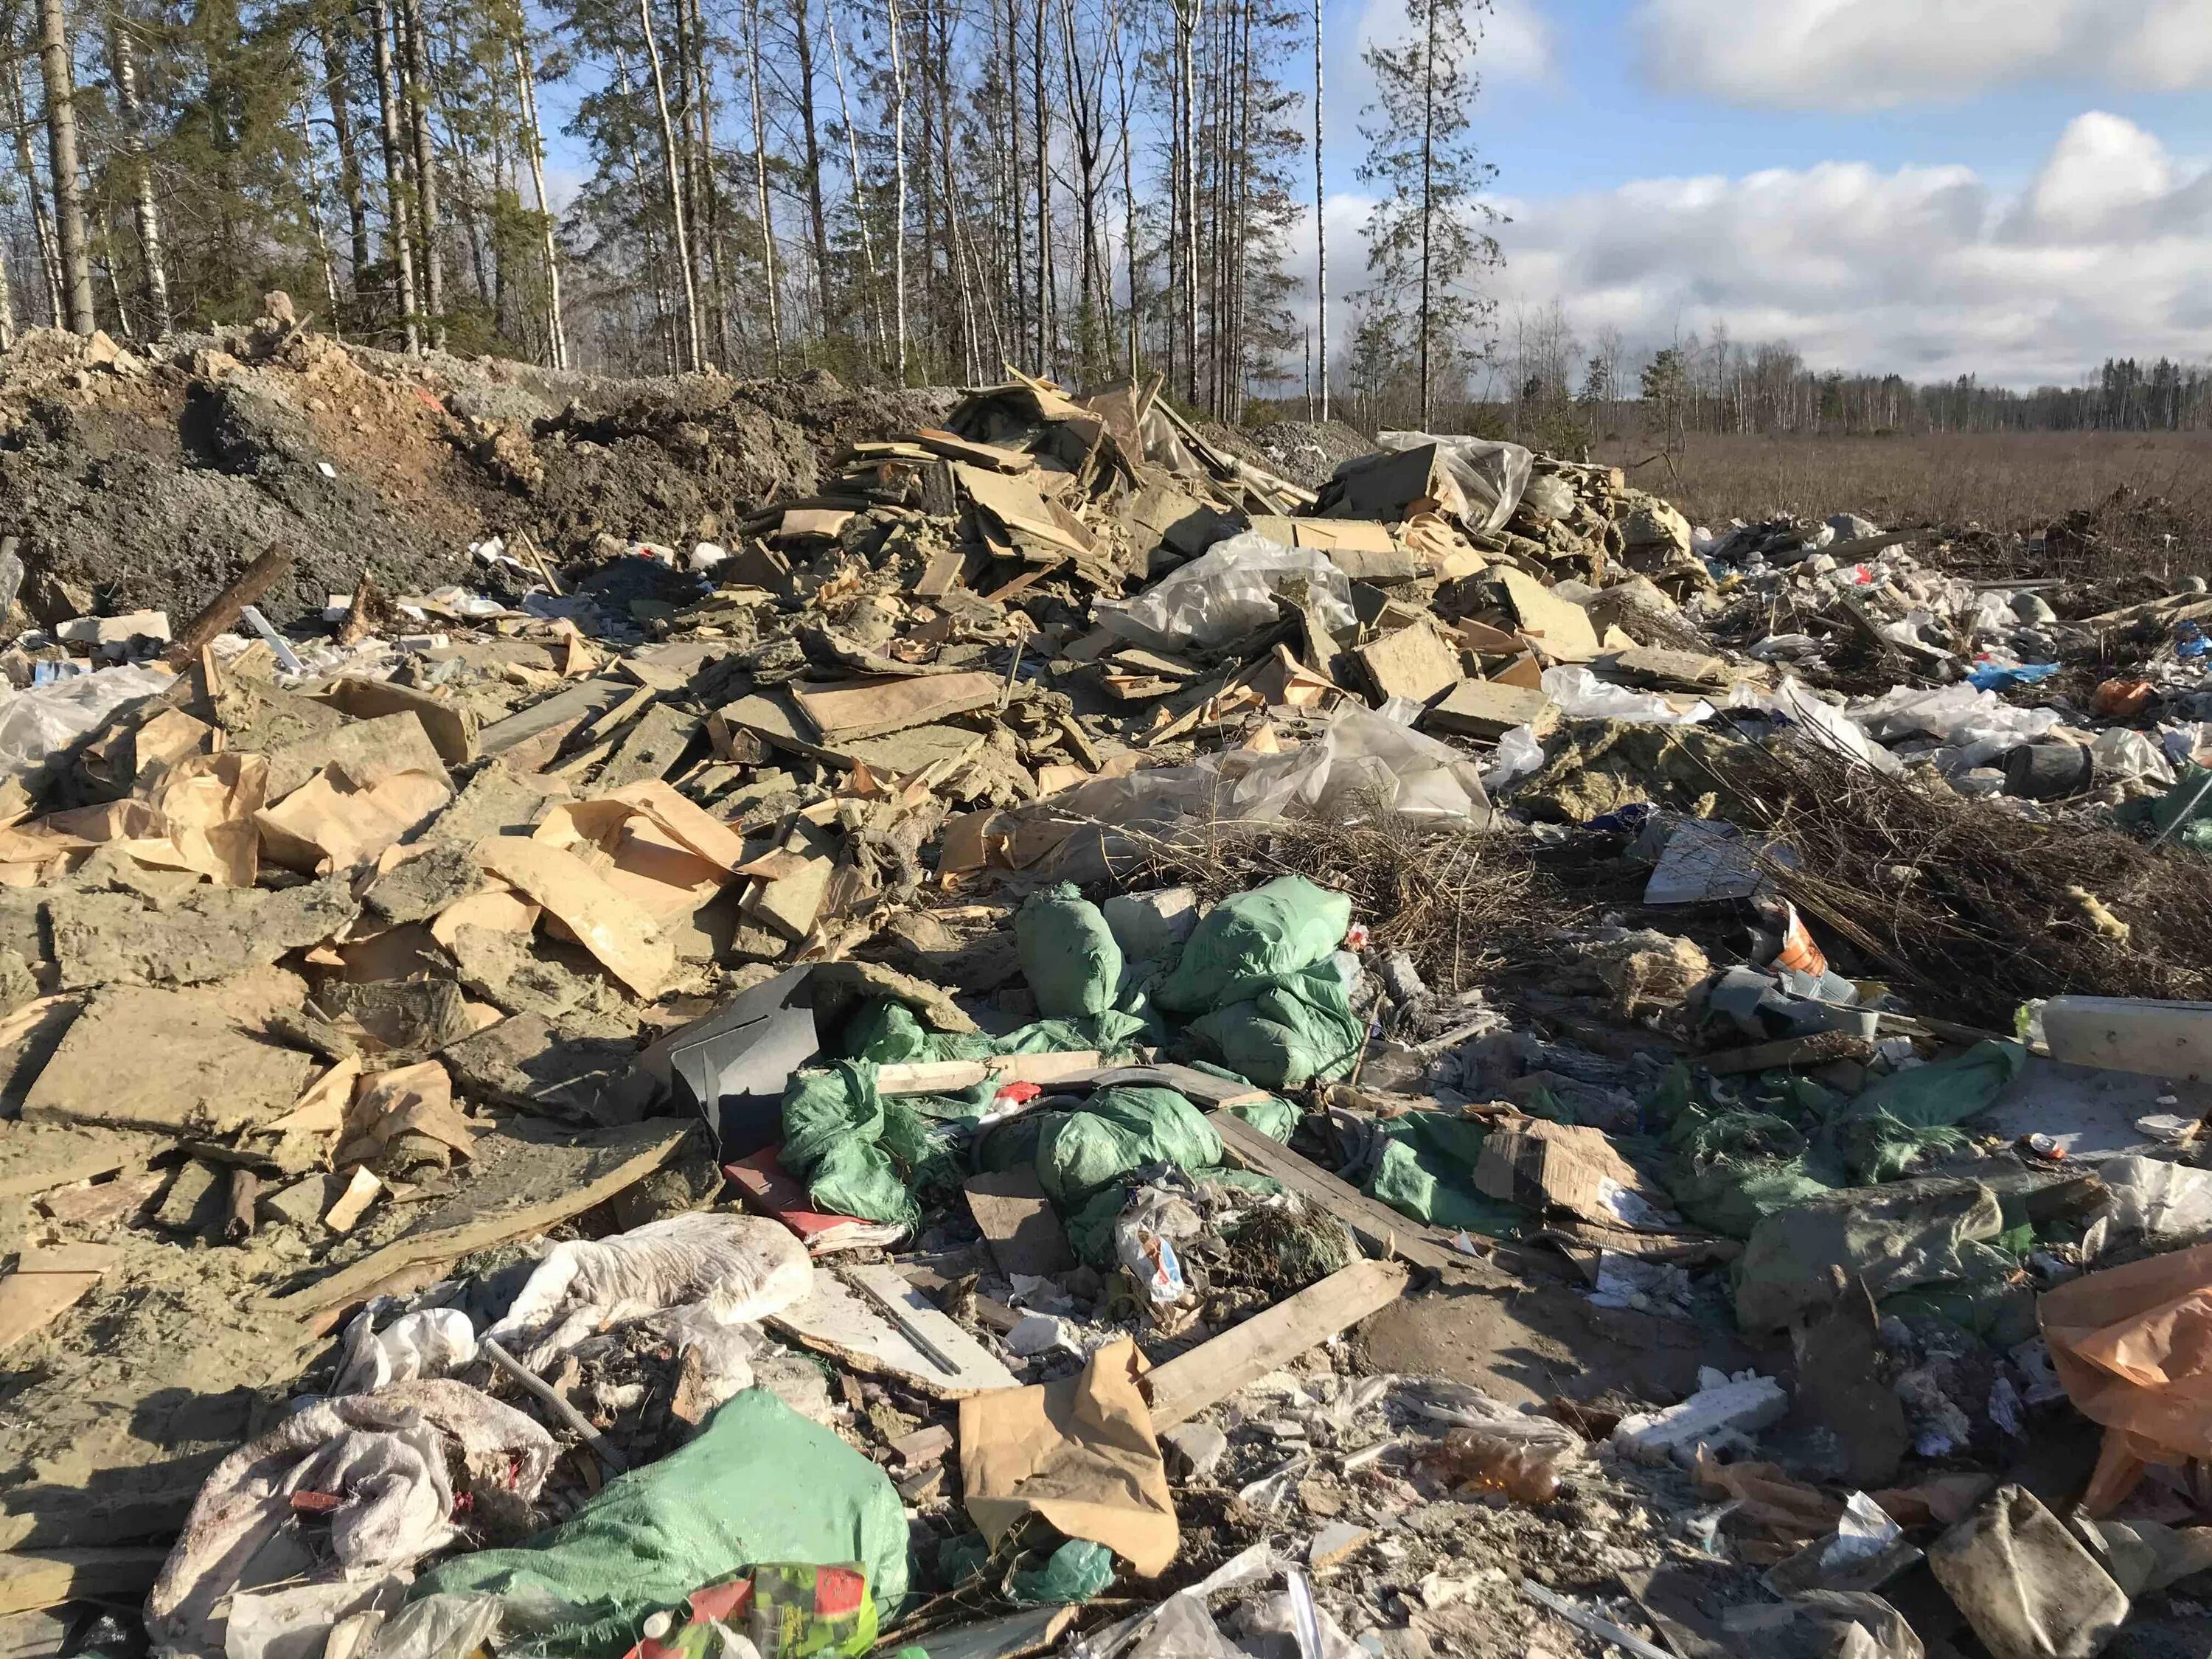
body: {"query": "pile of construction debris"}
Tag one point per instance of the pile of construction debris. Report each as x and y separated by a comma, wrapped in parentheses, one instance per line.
(1057, 1041)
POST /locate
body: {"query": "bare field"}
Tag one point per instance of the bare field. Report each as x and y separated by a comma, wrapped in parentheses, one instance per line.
(2001, 481)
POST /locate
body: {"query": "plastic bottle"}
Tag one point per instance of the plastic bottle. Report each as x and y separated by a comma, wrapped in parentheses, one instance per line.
(1472, 1460)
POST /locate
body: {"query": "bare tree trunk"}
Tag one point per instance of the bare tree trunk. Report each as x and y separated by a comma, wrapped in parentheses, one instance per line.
(1042, 114)
(313, 195)
(1428, 199)
(670, 357)
(337, 83)
(42, 223)
(1321, 232)
(556, 333)
(59, 75)
(399, 243)
(760, 184)
(707, 220)
(1185, 34)
(143, 214)
(1129, 222)
(853, 161)
(692, 359)
(803, 54)
(426, 167)
(898, 149)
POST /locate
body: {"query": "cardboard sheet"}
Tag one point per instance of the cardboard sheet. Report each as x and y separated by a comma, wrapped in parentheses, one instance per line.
(1080, 1452)
(614, 929)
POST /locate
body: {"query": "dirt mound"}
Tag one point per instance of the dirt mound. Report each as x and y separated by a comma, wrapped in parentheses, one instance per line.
(1306, 452)
(150, 482)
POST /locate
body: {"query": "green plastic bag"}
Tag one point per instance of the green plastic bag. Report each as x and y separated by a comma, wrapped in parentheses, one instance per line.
(760, 1484)
(1068, 953)
(1426, 1171)
(1729, 1170)
(1118, 1132)
(1291, 1031)
(1897, 1238)
(1284, 927)
(1076, 1572)
(833, 1123)
(1274, 1117)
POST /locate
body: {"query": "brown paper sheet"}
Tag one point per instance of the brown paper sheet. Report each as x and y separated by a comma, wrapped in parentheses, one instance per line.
(1080, 1454)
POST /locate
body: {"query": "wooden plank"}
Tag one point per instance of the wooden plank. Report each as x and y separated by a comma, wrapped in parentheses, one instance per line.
(879, 705)
(572, 1178)
(220, 612)
(993, 456)
(46, 1578)
(938, 1077)
(837, 1321)
(943, 574)
(1213, 1371)
(1377, 1225)
(1016, 1218)
(2131, 1034)
(1202, 1087)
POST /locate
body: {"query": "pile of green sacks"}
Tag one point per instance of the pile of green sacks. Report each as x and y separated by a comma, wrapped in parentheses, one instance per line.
(1251, 994)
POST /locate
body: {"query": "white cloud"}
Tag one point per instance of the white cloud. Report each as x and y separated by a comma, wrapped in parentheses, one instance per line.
(1923, 269)
(1515, 44)
(1855, 54)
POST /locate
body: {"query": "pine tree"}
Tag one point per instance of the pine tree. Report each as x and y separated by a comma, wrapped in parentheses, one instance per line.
(1424, 247)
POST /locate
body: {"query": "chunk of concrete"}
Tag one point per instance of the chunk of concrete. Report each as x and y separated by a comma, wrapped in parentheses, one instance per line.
(1147, 925)
(1198, 1447)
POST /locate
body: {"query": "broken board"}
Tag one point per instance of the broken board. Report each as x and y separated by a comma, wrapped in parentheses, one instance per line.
(882, 704)
(525, 1179)
(1216, 1369)
(841, 1322)
(1017, 1220)
(1375, 1224)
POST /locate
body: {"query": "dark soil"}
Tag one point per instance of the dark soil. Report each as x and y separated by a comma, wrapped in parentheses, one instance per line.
(151, 483)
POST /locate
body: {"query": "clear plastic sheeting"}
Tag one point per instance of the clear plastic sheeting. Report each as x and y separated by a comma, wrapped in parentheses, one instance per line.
(1227, 592)
(1822, 722)
(736, 1269)
(1360, 759)
(36, 723)
(1491, 475)
(1974, 726)
(1582, 695)
(2157, 1199)
(1519, 754)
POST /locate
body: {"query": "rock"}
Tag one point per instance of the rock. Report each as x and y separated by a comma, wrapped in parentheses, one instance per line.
(1199, 1448)
(2034, 609)
(1850, 527)
(1656, 526)
(1337, 1541)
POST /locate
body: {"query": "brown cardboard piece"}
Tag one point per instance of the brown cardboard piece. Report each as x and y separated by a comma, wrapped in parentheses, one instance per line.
(617, 930)
(330, 823)
(1415, 662)
(875, 707)
(1078, 1453)
(47, 1284)
(1541, 1165)
(1489, 709)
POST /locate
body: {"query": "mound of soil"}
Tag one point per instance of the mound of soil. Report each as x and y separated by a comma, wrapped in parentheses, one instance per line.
(150, 482)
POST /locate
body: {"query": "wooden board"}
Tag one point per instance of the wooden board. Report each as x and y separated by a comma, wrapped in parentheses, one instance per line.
(1561, 627)
(876, 706)
(552, 1182)
(1213, 1371)
(1017, 1220)
(1376, 1224)
(941, 1077)
(2131, 1034)
(581, 701)
(838, 1321)
(49, 1578)
(47, 1284)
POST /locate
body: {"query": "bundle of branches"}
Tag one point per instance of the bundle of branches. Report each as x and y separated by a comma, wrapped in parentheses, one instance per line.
(1449, 894)
(1972, 910)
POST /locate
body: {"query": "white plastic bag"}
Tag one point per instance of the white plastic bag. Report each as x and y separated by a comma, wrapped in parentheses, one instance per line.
(736, 1269)
(431, 1342)
(1582, 695)
(2120, 752)
(2157, 1199)
(1225, 593)
(1519, 755)
(1823, 723)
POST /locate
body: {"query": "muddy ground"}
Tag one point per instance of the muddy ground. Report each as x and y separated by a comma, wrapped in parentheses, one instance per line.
(136, 482)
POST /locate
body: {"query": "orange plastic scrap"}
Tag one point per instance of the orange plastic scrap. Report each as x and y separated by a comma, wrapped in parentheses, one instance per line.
(2121, 699)
(2133, 1347)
